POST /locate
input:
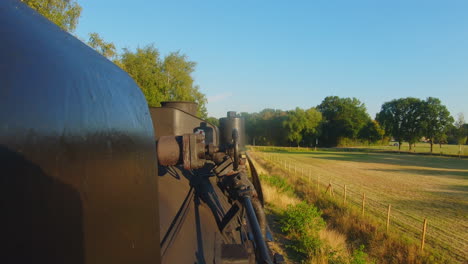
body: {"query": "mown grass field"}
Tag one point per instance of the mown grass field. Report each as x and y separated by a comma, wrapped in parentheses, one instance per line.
(416, 186)
(426, 148)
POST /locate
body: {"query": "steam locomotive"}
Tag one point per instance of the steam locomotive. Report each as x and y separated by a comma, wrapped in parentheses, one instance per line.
(90, 174)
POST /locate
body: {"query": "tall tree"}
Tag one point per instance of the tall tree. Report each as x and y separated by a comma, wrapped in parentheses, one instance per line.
(436, 120)
(413, 124)
(343, 118)
(271, 127)
(295, 124)
(313, 122)
(178, 82)
(144, 66)
(64, 13)
(266, 127)
(403, 120)
(391, 117)
(163, 80)
(298, 123)
(107, 49)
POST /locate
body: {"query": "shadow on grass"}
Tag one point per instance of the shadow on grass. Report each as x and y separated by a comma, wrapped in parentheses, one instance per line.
(452, 197)
(390, 158)
(455, 174)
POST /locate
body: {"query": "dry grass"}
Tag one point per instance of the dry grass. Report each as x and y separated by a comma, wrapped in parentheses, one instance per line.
(280, 200)
(335, 240)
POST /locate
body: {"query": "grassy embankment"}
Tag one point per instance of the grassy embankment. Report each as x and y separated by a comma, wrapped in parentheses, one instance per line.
(419, 186)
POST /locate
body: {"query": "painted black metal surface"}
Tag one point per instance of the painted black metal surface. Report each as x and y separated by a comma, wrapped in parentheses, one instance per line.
(173, 120)
(226, 126)
(77, 152)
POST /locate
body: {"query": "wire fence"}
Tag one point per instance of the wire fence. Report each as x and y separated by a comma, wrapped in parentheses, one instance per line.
(392, 218)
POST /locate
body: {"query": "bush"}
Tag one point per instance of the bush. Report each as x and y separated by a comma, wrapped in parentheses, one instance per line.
(302, 223)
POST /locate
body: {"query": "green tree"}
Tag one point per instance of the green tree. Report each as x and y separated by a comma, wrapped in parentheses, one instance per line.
(371, 132)
(391, 117)
(436, 120)
(64, 13)
(178, 82)
(144, 66)
(295, 125)
(403, 120)
(343, 118)
(413, 123)
(252, 128)
(298, 123)
(313, 122)
(163, 80)
(107, 49)
(270, 127)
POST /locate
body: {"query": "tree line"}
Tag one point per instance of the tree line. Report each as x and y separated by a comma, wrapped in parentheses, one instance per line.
(344, 121)
(167, 78)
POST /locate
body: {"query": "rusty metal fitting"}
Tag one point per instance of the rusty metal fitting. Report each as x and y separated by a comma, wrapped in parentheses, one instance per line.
(193, 151)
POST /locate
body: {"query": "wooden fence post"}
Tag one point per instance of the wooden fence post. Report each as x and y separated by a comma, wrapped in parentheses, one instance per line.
(309, 176)
(363, 202)
(295, 169)
(423, 238)
(344, 195)
(318, 191)
(388, 216)
(329, 188)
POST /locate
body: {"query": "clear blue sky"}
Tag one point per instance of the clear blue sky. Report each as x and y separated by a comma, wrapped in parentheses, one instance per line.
(253, 55)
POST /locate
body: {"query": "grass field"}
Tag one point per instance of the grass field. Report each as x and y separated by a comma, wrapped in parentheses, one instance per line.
(426, 148)
(417, 187)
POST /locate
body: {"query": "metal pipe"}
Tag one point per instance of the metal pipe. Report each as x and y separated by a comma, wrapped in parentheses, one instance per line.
(257, 205)
(257, 232)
